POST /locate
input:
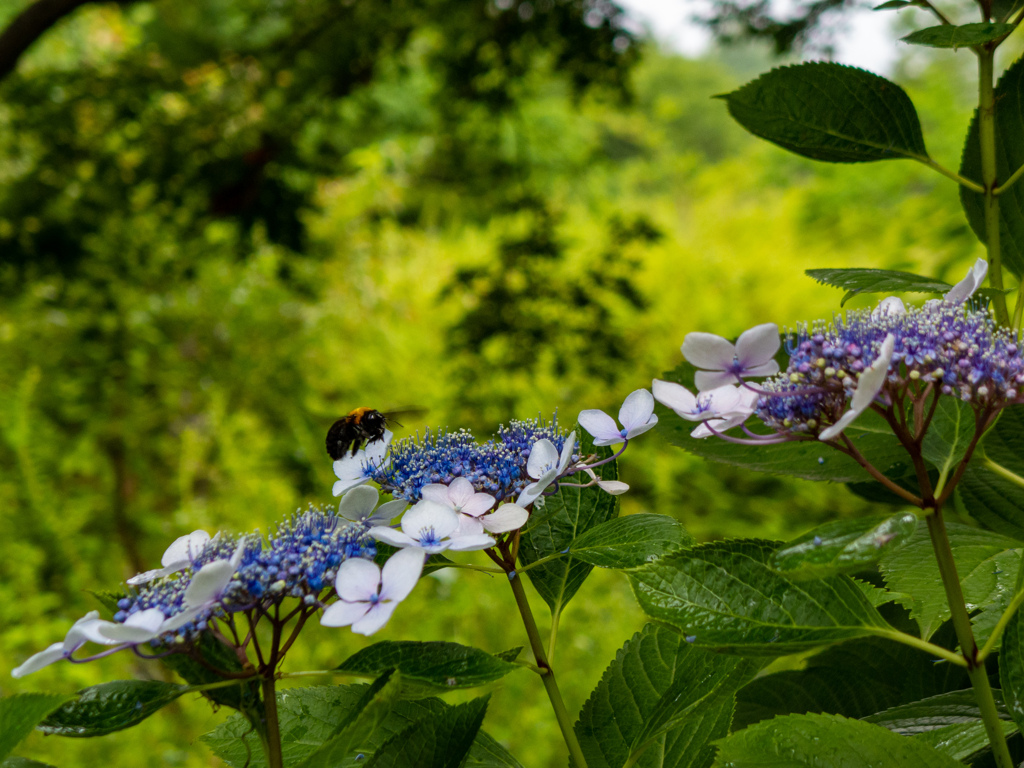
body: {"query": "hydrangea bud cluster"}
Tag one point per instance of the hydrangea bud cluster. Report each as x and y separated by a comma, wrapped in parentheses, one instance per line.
(960, 351)
(497, 467)
(298, 560)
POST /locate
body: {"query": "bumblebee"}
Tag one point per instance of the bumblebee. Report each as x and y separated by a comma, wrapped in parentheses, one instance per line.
(360, 426)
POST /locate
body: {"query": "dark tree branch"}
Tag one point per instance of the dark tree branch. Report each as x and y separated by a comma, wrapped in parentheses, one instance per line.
(29, 25)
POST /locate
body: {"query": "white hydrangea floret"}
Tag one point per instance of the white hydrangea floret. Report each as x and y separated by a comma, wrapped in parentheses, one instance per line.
(725, 363)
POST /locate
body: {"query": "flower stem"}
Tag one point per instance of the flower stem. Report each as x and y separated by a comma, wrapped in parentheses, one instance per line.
(548, 674)
(272, 743)
(987, 140)
(964, 633)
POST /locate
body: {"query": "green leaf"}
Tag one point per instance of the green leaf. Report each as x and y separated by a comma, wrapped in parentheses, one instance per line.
(887, 674)
(963, 36)
(830, 112)
(566, 515)
(950, 432)
(243, 696)
(825, 741)
(1009, 95)
(857, 281)
(23, 762)
(511, 654)
(663, 699)
(950, 722)
(987, 573)
(992, 488)
(724, 595)
(367, 716)
(845, 546)
(435, 666)
(890, 5)
(437, 741)
(1011, 667)
(626, 542)
(20, 713)
(310, 716)
(109, 707)
(107, 598)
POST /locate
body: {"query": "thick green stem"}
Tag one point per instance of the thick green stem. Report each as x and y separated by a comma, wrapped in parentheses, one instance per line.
(547, 674)
(987, 139)
(965, 634)
(272, 726)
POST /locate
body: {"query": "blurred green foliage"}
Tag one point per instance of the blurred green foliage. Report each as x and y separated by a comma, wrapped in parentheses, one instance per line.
(223, 224)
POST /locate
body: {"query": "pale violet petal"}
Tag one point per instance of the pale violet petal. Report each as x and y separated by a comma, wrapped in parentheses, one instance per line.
(44, 658)
(357, 579)
(140, 627)
(478, 504)
(705, 380)
(185, 548)
(757, 346)
(966, 287)
(507, 517)
(469, 526)
(341, 614)
(436, 492)
(387, 512)
(430, 516)
(543, 456)
(350, 467)
(636, 409)
(767, 369)
(460, 492)
(706, 350)
(470, 543)
(674, 396)
(603, 441)
(565, 458)
(400, 574)
(358, 503)
(614, 487)
(374, 619)
(598, 424)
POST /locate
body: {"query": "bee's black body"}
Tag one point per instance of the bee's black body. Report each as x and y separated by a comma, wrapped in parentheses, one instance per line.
(362, 425)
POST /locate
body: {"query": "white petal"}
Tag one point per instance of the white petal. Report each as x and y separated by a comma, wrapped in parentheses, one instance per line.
(91, 631)
(236, 559)
(636, 410)
(674, 396)
(358, 503)
(140, 627)
(603, 441)
(758, 345)
(470, 543)
(341, 614)
(639, 429)
(392, 537)
(42, 659)
(614, 487)
(599, 424)
(890, 305)
(966, 287)
(835, 430)
(873, 377)
(565, 458)
(185, 548)
(344, 485)
(76, 635)
(208, 583)
(179, 620)
(706, 350)
(543, 456)
(460, 492)
(400, 574)
(147, 576)
(705, 380)
(430, 516)
(478, 504)
(350, 467)
(436, 492)
(530, 493)
(375, 451)
(507, 517)
(357, 580)
(374, 619)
